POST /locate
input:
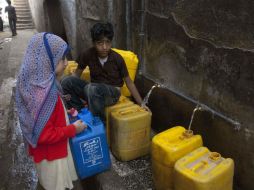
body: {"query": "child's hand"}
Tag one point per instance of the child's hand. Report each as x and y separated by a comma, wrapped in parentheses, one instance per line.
(73, 112)
(66, 97)
(80, 126)
(145, 107)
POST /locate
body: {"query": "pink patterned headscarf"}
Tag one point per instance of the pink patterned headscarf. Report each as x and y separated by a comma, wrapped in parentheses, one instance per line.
(37, 89)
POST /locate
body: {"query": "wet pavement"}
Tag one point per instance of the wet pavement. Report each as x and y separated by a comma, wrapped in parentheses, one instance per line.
(16, 168)
(131, 175)
(18, 171)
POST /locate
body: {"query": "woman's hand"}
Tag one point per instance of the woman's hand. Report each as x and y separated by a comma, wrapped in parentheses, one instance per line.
(80, 126)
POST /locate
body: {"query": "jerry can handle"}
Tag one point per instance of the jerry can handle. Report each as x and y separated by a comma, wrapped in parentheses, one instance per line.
(123, 100)
(199, 165)
(87, 130)
(88, 124)
(128, 112)
(84, 111)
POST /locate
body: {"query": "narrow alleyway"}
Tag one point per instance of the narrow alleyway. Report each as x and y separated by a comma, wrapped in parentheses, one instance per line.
(197, 53)
(24, 17)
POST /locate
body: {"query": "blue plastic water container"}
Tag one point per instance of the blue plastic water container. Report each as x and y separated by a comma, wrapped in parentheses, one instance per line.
(85, 115)
(89, 148)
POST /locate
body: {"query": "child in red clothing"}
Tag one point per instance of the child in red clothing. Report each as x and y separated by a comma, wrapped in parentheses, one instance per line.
(42, 115)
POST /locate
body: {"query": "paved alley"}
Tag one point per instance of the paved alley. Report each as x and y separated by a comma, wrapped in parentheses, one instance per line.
(16, 170)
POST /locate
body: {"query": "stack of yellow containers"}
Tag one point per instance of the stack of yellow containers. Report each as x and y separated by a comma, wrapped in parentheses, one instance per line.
(122, 103)
(72, 66)
(86, 74)
(167, 148)
(204, 170)
(128, 125)
(131, 61)
(130, 132)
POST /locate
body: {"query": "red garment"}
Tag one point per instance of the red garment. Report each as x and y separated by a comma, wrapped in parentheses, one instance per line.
(52, 143)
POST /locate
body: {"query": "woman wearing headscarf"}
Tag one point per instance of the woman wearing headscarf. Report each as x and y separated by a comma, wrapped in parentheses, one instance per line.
(42, 115)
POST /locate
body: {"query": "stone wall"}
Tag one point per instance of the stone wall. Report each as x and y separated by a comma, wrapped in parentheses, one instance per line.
(90, 12)
(38, 14)
(48, 16)
(202, 52)
(76, 17)
(69, 19)
(54, 18)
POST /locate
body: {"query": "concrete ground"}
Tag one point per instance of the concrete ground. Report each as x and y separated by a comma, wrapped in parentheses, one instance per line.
(16, 168)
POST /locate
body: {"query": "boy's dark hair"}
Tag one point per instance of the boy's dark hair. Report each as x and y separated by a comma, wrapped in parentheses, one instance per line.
(100, 30)
(9, 2)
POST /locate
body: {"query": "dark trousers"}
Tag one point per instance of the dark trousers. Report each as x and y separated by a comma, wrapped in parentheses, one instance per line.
(12, 23)
(76, 88)
(1, 24)
(97, 95)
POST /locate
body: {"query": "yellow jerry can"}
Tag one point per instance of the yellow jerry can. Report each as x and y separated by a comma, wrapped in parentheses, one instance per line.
(86, 74)
(204, 170)
(130, 132)
(167, 147)
(122, 103)
(131, 61)
(72, 66)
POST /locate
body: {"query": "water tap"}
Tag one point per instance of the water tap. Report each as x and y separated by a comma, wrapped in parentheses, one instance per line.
(145, 100)
(198, 108)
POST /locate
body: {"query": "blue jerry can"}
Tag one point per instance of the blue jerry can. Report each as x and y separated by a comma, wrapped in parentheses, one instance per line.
(85, 115)
(89, 148)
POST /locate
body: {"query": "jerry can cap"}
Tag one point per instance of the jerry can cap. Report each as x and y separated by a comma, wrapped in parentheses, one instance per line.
(214, 156)
(186, 134)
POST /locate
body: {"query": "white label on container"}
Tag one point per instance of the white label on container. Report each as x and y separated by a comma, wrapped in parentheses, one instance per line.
(91, 152)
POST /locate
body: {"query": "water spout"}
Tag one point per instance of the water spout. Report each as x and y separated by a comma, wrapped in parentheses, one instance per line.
(236, 125)
(197, 108)
(146, 98)
(202, 107)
